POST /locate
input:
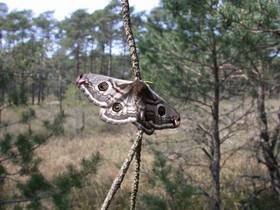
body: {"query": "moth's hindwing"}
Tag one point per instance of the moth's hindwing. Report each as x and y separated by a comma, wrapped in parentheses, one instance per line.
(122, 111)
(158, 113)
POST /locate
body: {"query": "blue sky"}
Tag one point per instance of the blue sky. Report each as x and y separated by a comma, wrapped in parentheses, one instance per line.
(65, 7)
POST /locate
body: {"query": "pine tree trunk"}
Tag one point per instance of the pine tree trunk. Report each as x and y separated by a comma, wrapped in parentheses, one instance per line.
(60, 94)
(124, 61)
(39, 91)
(102, 60)
(267, 149)
(91, 62)
(110, 60)
(42, 92)
(2, 95)
(0, 115)
(33, 93)
(1, 37)
(78, 63)
(215, 147)
(91, 57)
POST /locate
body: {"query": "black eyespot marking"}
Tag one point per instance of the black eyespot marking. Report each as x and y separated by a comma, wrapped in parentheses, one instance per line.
(161, 110)
(117, 107)
(103, 86)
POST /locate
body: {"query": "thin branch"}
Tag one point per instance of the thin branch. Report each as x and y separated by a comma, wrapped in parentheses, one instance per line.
(275, 136)
(5, 125)
(249, 111)
(229, 135)
(130, 40)
(119, 179)
(205, 130)
(207, 153)
(167, 141)
(22, 200)
(199, 102)
(136, 177)
(231, 154)
(136, 147)
(14, 155)
(198, 106)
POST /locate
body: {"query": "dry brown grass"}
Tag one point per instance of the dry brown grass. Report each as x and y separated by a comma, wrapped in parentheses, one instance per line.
(113, 143)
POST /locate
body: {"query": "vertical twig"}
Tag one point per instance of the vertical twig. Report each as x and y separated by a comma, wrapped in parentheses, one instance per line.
(136, 177)
(130, 40)
(136, 147)
(137, 75)
(117, 182)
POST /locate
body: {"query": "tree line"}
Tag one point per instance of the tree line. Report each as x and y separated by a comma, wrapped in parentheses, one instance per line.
(43, 55)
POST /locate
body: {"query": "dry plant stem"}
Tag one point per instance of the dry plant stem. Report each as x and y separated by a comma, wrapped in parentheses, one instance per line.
(136, 147)
(137, 75)
(136, 177)
(118, 180)
(130, 39)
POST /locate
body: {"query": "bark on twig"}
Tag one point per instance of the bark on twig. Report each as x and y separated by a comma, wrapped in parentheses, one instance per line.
(136, 147)
(136, 177)
(130, 39)
(118, 181)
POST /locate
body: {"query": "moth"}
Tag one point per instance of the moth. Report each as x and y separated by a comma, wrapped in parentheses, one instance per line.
(124, 101)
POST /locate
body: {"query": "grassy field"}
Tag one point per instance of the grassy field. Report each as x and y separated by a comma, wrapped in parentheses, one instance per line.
(177, 146)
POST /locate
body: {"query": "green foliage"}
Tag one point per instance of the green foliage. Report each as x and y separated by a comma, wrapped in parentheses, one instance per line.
(5, 77)
(31, 185)
(72, 178)
(208, 51)
(24, 147)
(177, 191)
(18, 96)
(265, 200)
(154, 202)
(28, 115)
(56, 127)
(70, 96)
(5, 143)
(2, 172)
(36, 184)
(18, 150)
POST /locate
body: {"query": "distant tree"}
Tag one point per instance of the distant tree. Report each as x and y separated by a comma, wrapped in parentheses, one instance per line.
(256, 31)
(18, 32)
(4, 77)
(107, 25)
(3, 14)
(184, 50)
(45, 26)
(111, 28)
(76, 31)
(109, 34)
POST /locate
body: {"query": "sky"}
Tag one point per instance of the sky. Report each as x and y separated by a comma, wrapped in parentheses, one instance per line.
(64, 8)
